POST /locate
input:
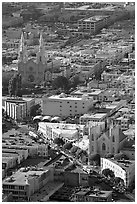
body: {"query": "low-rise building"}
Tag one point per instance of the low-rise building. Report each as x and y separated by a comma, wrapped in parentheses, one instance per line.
(95, 117)
(125, 169)
(18, 108)
(96, 94)
(62, 105)
(68, 132)
(26, 182)
(92, 24)
(86, 195)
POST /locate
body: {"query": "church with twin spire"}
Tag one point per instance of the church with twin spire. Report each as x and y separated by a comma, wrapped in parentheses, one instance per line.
(32, 70)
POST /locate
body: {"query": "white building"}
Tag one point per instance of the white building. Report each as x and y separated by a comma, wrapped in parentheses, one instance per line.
(18, 108)
(68, 132)
(122, 169)
(62, 105)
(96, 94)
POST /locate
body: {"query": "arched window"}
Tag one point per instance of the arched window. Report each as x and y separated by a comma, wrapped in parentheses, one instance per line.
(113, 138)
(103, 146)
(113, 150)
(92, 148)
(92, 137)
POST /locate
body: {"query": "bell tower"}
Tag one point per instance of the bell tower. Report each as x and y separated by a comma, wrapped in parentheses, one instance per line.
(41, 53)
(22, 55)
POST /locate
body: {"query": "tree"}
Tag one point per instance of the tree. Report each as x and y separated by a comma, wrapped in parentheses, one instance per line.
(120, 156)
(119, 185)
(35, 110)
(109, 155)
(74, 81)
(67, 146)
(60, 82)
(108, 173)
(95, 158)
(15, 85)
(74, 149)
(58, 141)
(78, 153)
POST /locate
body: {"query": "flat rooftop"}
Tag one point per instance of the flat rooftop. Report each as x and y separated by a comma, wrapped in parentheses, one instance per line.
(124, 164)
(67, 98)
(17, 100)
(63, 126)
(94, 116)
(92, 92)
(21, 177)
(101, 194)
(94, 19)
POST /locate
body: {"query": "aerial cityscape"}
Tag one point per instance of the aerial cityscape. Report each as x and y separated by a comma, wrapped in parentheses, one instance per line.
(68, 101)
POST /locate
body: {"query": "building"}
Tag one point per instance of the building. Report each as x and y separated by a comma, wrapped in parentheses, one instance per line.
(32, 71)
(18, 108)
(95, 117)
(123, 122)
(125, 169)
(105, 138)
(86, 195)
(68, 132)
(26, 182)
(92, 24)
(62, 105)
(7, 197)
(96, 94)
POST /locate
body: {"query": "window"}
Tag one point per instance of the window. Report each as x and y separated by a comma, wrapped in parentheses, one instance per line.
(103, 146)
(113, 150)
(92, 148)
(113, 139)
(92, 137)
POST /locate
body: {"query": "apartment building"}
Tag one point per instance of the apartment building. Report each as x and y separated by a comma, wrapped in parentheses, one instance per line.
(95, 117)
(18, 108)
(26, 181)
(93, 24)
(86, 195)
(121, 168)
(62, 105)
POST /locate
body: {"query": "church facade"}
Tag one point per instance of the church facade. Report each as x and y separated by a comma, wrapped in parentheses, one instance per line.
(104, 140)
(32, 70)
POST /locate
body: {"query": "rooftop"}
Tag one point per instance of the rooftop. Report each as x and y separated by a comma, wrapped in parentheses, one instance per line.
(124, 164)
(94, 193)
(64, 97)
(94, 116)
(94, 19)
(22, 176)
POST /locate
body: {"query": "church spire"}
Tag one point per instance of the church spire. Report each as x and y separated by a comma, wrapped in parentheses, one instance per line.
(22, 55)
(41, 53)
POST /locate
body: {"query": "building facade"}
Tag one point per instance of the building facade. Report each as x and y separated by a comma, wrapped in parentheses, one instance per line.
(105, 139)
(32, 71)
(62, 105)
(122, 169)
(26, 182)
(18, 108)
(93, 24)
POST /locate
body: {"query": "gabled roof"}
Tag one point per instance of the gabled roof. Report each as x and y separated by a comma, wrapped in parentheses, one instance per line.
(122, 136)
